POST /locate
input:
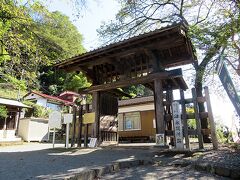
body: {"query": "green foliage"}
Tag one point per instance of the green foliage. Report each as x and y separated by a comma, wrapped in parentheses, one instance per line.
(55, 82)
(76, 81)
(9, 91)
(191, 122)
(21, 84)
(32, 39)
(223, 134)
(220, 135)
(211, 27)
(36, 110)
(138, 90)
(3, 111)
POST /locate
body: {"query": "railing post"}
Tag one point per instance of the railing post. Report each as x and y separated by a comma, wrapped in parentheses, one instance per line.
(211, 120)
(198, 122)
(184, 118)
(74, 126)
(80, 119)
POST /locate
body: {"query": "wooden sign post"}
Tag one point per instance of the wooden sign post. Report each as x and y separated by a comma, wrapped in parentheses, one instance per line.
(177, 125)
(88, 118)
(54, 122)
(67, 119)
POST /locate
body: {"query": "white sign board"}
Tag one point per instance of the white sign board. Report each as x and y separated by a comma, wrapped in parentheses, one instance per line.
(93, 142)
(177, 125)
(160, 139)
(67, 118)
(54, 119)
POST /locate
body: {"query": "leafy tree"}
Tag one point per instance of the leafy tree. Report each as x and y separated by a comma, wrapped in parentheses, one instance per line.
(59, 29)
(191, 122)
(212, 26)
(17, 47)
(138, 90)
(32, 39)
(76, 81)
(3, 111)
(36, 110)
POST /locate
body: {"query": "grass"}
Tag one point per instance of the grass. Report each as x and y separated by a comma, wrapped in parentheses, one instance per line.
(11, 93)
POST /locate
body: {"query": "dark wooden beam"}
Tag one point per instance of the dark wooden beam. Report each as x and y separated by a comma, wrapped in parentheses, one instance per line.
(96, 109)
(80, 126)
(133, 81)
(155, 61)
(159, 109)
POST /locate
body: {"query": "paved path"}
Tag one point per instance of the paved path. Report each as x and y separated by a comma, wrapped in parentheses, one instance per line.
(22, 162)
(37, 161)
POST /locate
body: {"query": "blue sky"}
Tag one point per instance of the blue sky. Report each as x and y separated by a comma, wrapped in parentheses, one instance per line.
(91, 18)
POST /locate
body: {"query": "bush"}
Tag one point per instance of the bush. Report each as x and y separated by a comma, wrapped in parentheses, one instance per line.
(224, 135)
(36, 111)
(3, 111)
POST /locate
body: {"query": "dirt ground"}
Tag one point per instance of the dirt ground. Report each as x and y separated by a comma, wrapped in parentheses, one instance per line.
(161, 172)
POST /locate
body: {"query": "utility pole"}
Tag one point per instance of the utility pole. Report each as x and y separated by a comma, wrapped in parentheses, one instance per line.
(19, 90)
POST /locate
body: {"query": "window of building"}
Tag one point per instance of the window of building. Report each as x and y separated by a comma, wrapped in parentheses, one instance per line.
(129, 121)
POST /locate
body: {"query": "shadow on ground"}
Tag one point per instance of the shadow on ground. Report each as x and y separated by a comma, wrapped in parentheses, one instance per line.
(59, 162)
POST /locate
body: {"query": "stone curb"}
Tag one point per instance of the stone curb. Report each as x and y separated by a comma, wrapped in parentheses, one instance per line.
(98, 171)
(212, 168)
(220, 170)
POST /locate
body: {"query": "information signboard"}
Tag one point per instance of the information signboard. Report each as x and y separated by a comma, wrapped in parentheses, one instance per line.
(228, 85)
(177, 125)
(54, 121)
(89, 118)
(67, 118)
(93, 142)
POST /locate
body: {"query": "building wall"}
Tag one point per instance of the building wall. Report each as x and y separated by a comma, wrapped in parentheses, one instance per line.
(33, 129)
(134, 108)
(42, 101)
(52, 106)
(7, 134)
(147, 126)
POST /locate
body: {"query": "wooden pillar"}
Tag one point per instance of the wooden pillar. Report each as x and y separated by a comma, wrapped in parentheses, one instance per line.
(86, 128)
(17, 121)
(74, 125)
(184, 118)
(96, 109)
(159, 109)
(197, 118)
(211, 120)
(80, 119)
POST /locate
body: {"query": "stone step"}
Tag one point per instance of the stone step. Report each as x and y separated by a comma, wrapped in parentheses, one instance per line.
(10, 141)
